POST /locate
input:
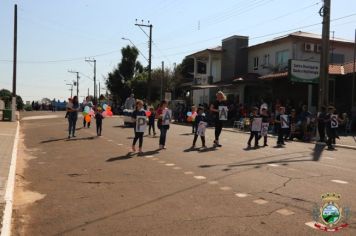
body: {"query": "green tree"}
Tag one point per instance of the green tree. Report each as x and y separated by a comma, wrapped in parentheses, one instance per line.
(118, 81)
(6, 96)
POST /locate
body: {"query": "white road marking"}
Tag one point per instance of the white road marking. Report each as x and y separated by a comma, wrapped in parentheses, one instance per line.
(339, 181)
(162, 162)
(177, 168)
(155, 159)
(119, 144)
(188, 173)
(285, 212)
(149, 156)
(170, 164)
(225, 188)
(213, 182)
(199, 177)
(10, 185)
(273, 165)
(311, 224)
(260, 201)
(330, 158)
(109, 140)
(41, 117)
(241, 195)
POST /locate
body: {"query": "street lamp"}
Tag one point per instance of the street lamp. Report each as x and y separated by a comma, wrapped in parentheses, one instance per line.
(123, 38)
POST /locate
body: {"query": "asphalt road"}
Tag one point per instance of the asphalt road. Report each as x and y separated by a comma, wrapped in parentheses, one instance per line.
(94, 186)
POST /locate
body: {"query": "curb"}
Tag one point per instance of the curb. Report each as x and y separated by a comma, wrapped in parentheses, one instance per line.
(9, 194)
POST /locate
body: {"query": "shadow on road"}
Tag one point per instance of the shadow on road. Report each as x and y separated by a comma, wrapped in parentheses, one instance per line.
(149, 153)
(66, 139)
(129, 155)
(187, 134)
(122, 126)
(317, 151)
(257, 163)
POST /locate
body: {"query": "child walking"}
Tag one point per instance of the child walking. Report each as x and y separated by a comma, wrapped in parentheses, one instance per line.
(265, 123)
(194, 114)
(282, 124)
(162, 124)
(151, 122)
(99, 121)
(198, 119)
(253, 133)
(139, 111)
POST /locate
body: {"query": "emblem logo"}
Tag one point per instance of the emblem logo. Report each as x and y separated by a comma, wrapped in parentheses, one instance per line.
(332, 216)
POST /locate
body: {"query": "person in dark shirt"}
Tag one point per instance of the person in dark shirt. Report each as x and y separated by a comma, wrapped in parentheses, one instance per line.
(253, 133)
(331, 127)
(151, 122)
(214, 108)
(99, 120)
(293, 125)
(282, 125)
(321, 124)
(199, 118)
(139, 111)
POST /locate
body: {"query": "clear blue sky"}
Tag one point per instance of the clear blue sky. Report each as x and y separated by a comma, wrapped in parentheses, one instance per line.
(75, 29)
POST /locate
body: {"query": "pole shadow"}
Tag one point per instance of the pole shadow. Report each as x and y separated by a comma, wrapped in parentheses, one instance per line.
(317, 151)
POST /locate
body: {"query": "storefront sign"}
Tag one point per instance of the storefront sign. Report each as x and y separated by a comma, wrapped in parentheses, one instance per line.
(304, 71)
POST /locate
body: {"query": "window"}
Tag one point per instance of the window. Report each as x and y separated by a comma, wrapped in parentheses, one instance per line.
(336, 58)
(201, 67)
(266, 60)
(255, 63)
(282, 58)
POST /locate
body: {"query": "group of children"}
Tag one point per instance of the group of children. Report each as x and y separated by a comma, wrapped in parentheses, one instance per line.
(285, 126)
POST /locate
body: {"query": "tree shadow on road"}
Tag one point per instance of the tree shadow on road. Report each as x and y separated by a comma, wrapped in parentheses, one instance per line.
(129, 155)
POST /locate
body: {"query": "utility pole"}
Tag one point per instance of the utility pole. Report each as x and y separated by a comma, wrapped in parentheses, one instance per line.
(71, 90)
(88, 92)
(324, 57)
(77, 83)
(94, 61)
(162, 80)
(13, 102)
(353, 75)
(149, 55)
(99, 90)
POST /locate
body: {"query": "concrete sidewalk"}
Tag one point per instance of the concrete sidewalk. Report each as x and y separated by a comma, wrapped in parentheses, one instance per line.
(7, 138)
(344, 141)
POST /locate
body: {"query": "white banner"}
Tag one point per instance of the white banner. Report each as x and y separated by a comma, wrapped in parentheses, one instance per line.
(201, 128)
(256, 124)
(334, 121)
(223, 112)
(264, 129)
(166, 116)
(284, 121)
(141, 124)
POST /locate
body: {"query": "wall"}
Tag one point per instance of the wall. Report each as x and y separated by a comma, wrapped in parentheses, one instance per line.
(201, 96)
(234, 59)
